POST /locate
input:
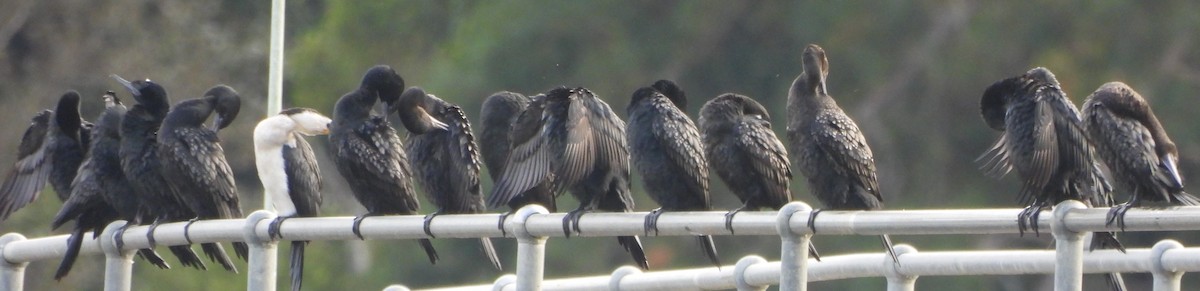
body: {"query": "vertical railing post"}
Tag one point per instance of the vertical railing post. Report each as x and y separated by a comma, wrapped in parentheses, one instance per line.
(897, 280)
(263, 262)
(118, 264)
(531, 250)
(1068, 249)
(793, 257)
(1164, 280)
(12, 275)
(275, 70)
(739, 273)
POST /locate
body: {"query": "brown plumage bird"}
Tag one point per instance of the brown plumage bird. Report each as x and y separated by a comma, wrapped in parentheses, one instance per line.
(828, 147)
(1142, 158)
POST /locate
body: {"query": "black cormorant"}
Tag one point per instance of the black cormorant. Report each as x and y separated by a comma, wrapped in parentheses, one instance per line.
(582, 142)
(1141, 157)
(666, 150)
(370, 155)
(1045, 141)
(501, 117)
(828, 147)
(743, 150)
(100, 179)
(444, 156)
(140, 164)
(193, 161)
(508, 119)
(288, 170)
(51, 150)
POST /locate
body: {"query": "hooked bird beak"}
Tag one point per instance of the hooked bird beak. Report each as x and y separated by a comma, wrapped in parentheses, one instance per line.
(127, 84)
(1168, 162)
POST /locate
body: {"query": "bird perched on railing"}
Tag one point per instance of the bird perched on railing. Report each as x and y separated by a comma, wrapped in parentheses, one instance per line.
(828, 147)
(1141, 157)
(100, 193)
(1045, 141)
(288, 170)
(666, 150)
(579, 145)
(508, 116)
(51, 150)
(370, 155)
(444, 157)
(743, 150)
(193, 161)
(140, 164)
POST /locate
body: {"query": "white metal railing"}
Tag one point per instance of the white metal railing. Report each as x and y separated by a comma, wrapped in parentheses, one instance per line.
(532, 226)
(1165, 255)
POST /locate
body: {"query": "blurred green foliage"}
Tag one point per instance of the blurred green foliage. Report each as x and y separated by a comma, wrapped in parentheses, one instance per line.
(910, 73)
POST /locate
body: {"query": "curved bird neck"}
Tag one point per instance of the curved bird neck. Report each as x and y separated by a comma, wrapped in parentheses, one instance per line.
(189, 113)
(353, 107)
(270, 136)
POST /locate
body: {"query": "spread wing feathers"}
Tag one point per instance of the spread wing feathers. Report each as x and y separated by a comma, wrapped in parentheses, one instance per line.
(28, 175)
(847, 149)
(528, 162)
(376, 154)
(575, 155)
(200, 172)
(86, 189)
(1043, 151)
(1087, 182)
(681, 140)
(758, 143)
(303, 176)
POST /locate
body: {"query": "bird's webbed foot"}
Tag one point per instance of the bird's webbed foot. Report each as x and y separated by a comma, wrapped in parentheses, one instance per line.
(428, 220)
(652, 221)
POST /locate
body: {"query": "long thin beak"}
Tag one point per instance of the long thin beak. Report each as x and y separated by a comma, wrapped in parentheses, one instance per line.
(127, 84)
(216, 125)
(1168, 162)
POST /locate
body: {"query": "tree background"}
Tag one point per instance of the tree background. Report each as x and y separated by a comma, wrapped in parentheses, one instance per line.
(909, 72)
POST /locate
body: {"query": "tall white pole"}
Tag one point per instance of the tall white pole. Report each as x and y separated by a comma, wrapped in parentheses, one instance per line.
(275, 75)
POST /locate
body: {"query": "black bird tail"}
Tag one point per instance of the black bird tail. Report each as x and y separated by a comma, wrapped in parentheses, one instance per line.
(634, 247)
(1116, 282)
(812, 252)
(1186, 199)
(429, 251)
(217, 254)
(1108, 240)
(710, 249)
(887, 244)
(187, 257)
(74, 241)
(242, 250)
(153, 258)
(297, 264)
(490, 252)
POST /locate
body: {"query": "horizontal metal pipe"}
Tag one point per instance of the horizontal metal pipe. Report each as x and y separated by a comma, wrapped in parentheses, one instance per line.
(900, 222)
(950, 263)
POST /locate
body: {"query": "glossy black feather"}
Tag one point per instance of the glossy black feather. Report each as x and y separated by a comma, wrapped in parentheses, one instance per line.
(27, 176)
(193, 162)
(667, 152)
(140, 164)
(744, 151)
(1134, 145)
(499, 115)
(1045, 141)
(369, 154)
